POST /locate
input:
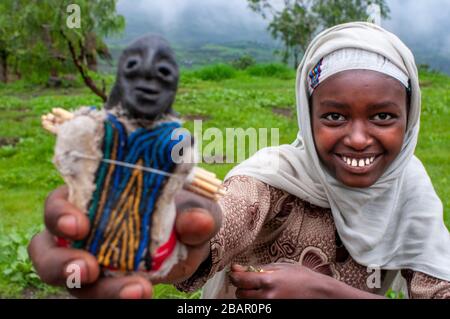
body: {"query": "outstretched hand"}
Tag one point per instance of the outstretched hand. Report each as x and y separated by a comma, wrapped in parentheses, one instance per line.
(197, 221)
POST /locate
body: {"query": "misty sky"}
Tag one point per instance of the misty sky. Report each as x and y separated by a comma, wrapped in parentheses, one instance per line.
(423, 24)
(169, 11)
(421, 20)
(220, 18)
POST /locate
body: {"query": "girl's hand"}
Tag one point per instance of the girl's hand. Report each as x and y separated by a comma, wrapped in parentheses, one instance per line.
(291, 281)
(197, 222)
(279, 281)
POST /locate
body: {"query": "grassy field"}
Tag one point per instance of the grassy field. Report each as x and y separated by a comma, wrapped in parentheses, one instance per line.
(253, 98)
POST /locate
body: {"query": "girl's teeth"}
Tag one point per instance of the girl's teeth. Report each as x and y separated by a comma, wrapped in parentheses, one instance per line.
(358, 162)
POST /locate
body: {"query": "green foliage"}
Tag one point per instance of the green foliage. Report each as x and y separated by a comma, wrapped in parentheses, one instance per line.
(170, 292)
(15, 264)
(295, 22)
(243, 62)
(271, 70)
(34, 36)
(194, 55)
(333, 12)
(391, 294)
(255, 98)
(16, 269)
(295, 26)
(216, 72)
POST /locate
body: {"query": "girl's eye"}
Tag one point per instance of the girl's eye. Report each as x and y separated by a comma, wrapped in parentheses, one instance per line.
(335, 117)
(382, 117)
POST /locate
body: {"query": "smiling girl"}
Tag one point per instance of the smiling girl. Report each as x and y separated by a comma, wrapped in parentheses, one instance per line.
(339, 213)
(348, 198)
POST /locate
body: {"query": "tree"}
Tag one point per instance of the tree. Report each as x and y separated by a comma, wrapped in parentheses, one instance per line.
(295, 22)
(10, 37)
(37, 37)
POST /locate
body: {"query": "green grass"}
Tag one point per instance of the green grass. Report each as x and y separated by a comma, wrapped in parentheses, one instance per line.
(216, 72)
(245, 99)
(434, 140)
(270, 70)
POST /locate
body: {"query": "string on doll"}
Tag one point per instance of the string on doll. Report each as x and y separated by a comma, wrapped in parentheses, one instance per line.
(124, 199)
(124, 164)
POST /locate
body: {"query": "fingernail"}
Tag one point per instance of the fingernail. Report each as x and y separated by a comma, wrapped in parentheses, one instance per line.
(132, 291)
(68, 225)
(77, 269)
(238, 267)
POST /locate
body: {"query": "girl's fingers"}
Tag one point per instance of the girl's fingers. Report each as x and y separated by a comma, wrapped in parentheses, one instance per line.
(198, 218)
(250, 280)
(54, 264)
(195, 226)
(132, 287)
(186, 268)
(238, 268)
(62, 218)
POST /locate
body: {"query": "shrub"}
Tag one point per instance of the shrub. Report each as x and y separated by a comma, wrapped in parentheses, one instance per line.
(216, 72)
(243, 62)
(271, 70)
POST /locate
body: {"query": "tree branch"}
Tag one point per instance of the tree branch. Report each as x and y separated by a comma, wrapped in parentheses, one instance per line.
(86, 78)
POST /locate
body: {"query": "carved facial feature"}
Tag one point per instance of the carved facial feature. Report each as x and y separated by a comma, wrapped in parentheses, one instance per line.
(148, 78)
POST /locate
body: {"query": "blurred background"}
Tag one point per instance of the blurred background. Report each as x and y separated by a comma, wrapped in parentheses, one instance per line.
(237, 58)
(206, 31)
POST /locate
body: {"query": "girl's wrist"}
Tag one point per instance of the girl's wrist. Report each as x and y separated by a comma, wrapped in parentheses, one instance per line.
(327, 287)
(331, 288)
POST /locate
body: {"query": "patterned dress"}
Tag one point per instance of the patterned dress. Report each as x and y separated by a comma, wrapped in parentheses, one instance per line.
(262, 225)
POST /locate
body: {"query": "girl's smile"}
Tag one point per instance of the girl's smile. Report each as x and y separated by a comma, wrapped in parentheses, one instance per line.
(358, 163)
(359, 122)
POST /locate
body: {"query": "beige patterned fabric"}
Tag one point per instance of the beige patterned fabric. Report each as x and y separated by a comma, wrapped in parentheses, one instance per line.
(262, 225)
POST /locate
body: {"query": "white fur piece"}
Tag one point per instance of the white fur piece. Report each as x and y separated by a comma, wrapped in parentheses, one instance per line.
(81, 135)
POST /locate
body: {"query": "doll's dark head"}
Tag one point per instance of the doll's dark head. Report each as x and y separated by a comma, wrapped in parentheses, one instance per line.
(147, 79)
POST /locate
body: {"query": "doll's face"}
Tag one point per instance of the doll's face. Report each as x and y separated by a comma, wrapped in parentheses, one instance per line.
(148, 78)
(359, 120)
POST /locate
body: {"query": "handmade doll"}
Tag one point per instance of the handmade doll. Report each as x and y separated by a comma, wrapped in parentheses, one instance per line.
(124, 164)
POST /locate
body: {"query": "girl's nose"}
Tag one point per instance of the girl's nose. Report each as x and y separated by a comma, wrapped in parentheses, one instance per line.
(358, 136)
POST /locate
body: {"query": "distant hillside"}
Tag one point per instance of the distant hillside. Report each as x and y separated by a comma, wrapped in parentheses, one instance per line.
(205, 31)
(197, 55)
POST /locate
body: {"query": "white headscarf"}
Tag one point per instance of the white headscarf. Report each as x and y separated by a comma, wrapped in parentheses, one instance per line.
(397, 223)
(353, 59)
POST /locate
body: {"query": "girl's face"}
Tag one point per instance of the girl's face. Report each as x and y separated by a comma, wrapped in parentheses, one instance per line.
(359, 121)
